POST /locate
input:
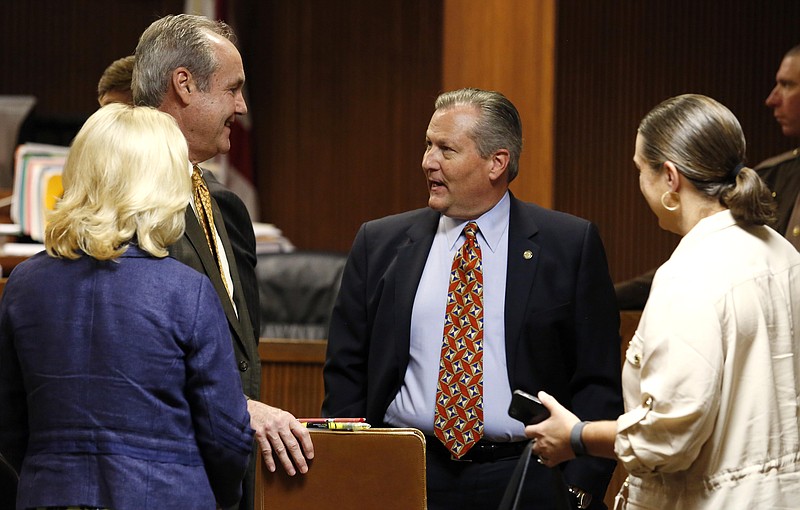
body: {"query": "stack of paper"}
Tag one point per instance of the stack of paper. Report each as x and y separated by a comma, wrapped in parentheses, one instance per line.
(270, 239)
(37, 186)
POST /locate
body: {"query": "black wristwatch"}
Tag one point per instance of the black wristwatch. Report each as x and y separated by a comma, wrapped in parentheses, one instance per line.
(583, 498)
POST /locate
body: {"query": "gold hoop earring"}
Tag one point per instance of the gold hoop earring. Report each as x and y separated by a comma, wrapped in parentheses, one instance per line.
(664, 202)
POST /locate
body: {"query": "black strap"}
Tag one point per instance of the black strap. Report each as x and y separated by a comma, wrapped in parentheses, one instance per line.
(560, 491)
(514, 488)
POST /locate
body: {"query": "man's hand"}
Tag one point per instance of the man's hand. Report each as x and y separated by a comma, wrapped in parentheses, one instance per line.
(278, 432)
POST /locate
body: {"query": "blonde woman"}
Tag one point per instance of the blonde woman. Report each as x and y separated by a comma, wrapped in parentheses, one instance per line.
(118, 386)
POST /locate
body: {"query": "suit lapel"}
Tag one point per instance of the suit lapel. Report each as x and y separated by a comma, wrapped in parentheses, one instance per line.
(523, 261)
(197, 240)
(243, 323)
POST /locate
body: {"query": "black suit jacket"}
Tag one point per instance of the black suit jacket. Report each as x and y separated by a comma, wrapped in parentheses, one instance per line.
(782, 175)
(243, 240)
(561, 319)
(192, 249)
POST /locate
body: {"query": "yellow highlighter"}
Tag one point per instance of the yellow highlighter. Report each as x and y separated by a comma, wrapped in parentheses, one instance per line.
(348, 426)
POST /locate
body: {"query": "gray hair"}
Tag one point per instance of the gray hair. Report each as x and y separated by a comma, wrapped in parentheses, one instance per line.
(169, 43)
(498, 126)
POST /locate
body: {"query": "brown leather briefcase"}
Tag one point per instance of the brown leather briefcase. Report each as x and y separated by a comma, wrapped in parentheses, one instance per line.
(369, 469)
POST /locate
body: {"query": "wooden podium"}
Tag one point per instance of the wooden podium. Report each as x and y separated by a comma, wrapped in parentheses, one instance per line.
(369, 469)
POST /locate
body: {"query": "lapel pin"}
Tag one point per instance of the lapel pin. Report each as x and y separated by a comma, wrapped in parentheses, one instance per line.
(527, 254)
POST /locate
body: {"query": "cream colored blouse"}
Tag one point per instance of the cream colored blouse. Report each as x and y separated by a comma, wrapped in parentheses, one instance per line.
(712, 376)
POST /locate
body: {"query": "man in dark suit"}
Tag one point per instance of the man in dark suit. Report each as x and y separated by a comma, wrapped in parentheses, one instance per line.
(189, 67)
(115, 87)
(782, 172)
(548, 318)
(8, 483)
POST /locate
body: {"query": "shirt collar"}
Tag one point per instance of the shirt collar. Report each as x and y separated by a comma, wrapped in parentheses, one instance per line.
(491, 224)
(716, 222)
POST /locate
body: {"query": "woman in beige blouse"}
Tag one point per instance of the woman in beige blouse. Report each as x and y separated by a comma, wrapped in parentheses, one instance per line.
(712, 376)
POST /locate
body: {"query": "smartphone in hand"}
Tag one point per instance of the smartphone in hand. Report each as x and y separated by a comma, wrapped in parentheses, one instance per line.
(527, 408)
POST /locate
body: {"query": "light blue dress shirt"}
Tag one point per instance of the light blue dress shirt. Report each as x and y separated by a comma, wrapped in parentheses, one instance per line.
(414, 404)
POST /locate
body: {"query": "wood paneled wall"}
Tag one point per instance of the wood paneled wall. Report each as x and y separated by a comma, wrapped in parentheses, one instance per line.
(341, 93)
(509, 46)
(57, 50)
(619, 58)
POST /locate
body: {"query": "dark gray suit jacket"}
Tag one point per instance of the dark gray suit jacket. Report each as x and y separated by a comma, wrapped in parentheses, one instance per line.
(192, 249)
(243, 240)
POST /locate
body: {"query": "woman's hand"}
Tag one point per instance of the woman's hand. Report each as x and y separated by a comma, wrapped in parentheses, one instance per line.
(551, 437)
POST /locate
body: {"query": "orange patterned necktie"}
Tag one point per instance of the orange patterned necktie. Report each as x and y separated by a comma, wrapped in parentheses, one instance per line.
(202, 203)
(458, 421)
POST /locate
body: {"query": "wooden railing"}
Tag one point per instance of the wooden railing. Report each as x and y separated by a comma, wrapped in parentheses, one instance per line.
(291, 375)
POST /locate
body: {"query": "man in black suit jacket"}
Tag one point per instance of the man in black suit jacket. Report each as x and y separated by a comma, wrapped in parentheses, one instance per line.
(115, 87)
(550, 317)
(189, 67)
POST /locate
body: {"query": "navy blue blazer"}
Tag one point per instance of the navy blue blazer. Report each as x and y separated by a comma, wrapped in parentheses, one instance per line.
(561, 319)
(118, 386)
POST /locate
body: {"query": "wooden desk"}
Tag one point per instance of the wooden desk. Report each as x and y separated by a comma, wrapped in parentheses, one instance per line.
(7, 262)
(291, 378)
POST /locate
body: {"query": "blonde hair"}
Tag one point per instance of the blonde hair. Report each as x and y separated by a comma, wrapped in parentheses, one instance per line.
(126, 178)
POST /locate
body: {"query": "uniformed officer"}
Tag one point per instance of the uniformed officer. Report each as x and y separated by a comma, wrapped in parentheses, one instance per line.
(782, 172)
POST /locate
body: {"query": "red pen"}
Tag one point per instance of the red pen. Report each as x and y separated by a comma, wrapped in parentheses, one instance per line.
(332, 420)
